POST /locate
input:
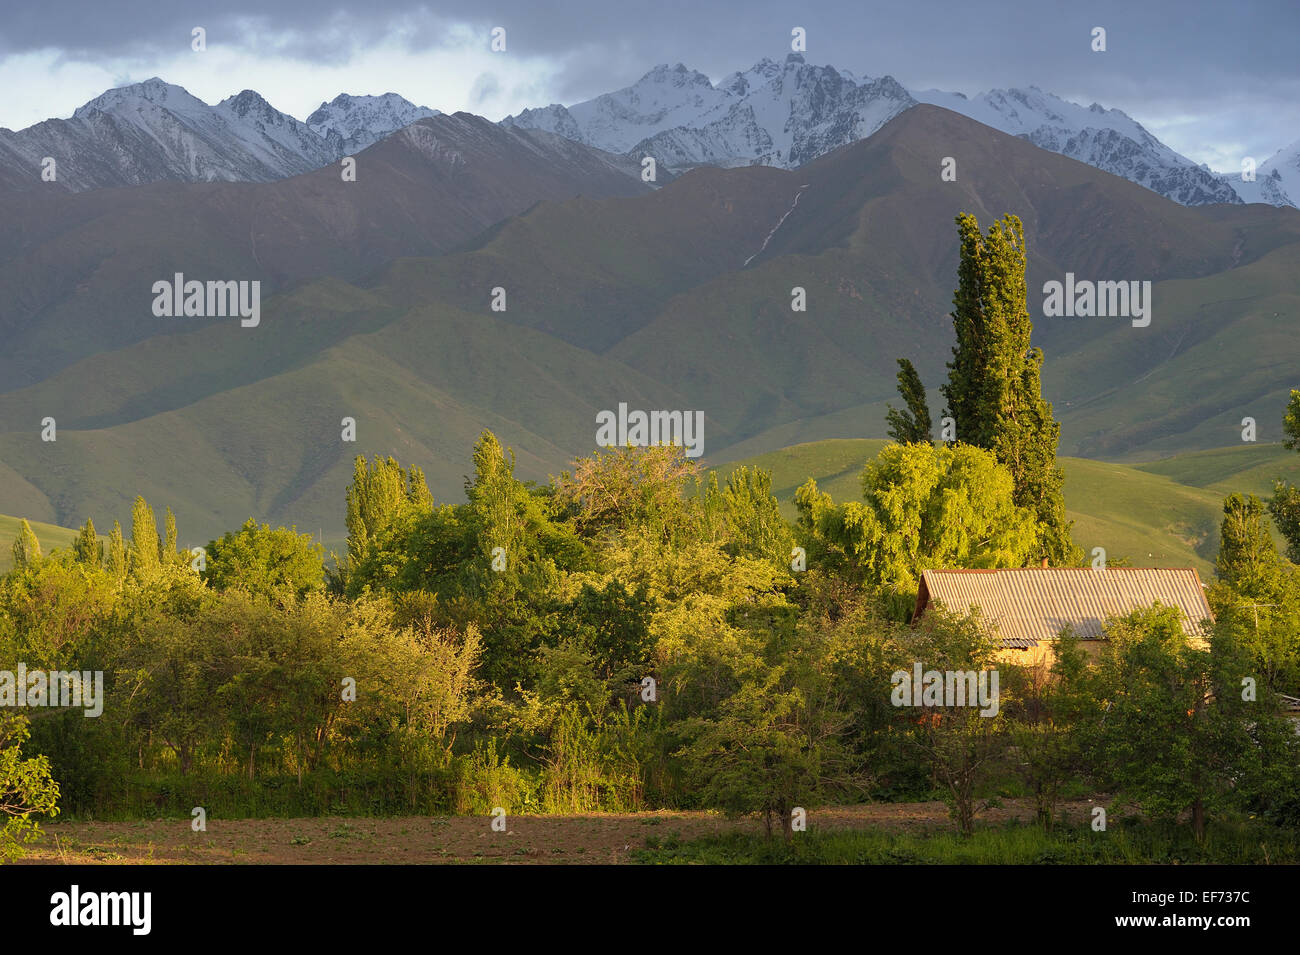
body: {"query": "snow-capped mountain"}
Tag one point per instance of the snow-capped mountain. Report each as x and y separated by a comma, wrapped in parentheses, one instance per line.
(773, 114)
(1277, 179)
(155, 131)
(351, 123)
(785, 114)
(1105, 138)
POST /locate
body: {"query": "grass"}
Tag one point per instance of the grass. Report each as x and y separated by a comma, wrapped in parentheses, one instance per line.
(1013, 844)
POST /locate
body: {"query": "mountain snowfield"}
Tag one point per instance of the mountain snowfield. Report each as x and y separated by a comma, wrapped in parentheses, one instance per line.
(786, 114)
(781, 114)
(155, 131)
(1277, 179)
(351, 123)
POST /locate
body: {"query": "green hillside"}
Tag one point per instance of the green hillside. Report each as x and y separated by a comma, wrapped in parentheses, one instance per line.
(664, 301)
(1161, 514)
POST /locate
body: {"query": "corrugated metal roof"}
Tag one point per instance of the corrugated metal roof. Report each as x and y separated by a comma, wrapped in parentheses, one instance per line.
(1027, 604)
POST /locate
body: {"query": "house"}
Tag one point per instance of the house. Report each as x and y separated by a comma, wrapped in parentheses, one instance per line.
(1027, 607)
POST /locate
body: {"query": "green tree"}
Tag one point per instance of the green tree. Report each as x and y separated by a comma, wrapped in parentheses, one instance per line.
(924, 506)
(1174, 729)
(965, 747)
(26, 788)
(994, 390)
(913, 425)
(772, 741)
(263, 561)
(167, 548)
(116, 552)
(1285, 503)
(382, 498)
(755, 527)
(1284, 508)
(143, 558)
(26, 548)
(88, 548)
(1248, 560)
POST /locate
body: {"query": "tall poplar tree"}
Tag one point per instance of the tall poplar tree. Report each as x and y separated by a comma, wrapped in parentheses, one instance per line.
(167, 550)
(27, 548)
(88, 548)
(116, 552)
(994, 391)
(1248, 560)
(913, 425)
(144, 538)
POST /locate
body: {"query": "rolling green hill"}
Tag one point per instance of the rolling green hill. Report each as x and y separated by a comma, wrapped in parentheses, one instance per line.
(662, 301)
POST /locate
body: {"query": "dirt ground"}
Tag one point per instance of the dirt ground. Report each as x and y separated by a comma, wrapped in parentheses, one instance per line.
(422, 840)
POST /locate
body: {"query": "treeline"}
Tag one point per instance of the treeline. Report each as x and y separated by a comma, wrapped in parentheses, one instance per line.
(632, 635)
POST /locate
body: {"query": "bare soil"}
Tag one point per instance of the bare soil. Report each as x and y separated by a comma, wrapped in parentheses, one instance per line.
(420, 840)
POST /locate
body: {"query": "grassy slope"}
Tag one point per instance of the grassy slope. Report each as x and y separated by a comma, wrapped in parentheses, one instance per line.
(1161, 514)
(646, 301)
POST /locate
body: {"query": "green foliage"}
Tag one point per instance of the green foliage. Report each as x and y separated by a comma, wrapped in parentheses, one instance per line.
(1008, 844)
(965, 746)
(88, 548)
(1291, 422)
(1284, 508)
(923, 507)
(265, 561)
(26, 788)
(143, 558)
(27, 549)
(1248, 560)
(116, 552)
(994, 392)
(913, 425)
(430, 677)
(1174, 732)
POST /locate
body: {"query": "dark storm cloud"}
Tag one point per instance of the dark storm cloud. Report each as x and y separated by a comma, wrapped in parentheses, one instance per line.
(1170, 41)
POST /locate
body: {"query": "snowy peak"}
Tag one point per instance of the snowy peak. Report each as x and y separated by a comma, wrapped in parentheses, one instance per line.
(774, 113)
(155, 131)
(351, 123)
(1108, 139)
(1276, 181)
(790, 112)
(124, 100)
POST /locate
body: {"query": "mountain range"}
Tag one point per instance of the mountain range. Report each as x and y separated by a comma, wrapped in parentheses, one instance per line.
(379, 301)
(157, 132)
(779, 114)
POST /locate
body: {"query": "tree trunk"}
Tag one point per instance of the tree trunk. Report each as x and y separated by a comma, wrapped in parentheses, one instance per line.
(1198, 820)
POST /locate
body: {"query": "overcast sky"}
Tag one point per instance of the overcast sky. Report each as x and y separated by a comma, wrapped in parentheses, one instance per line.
(1215, 81)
